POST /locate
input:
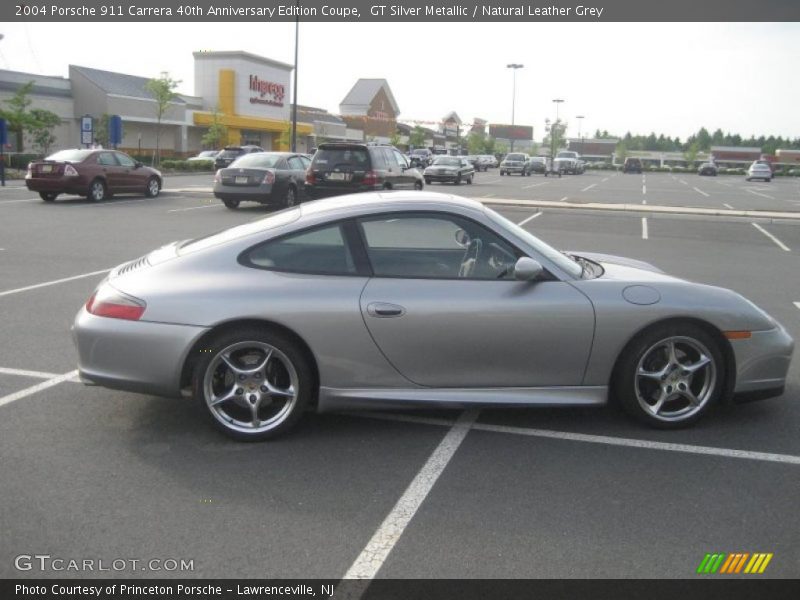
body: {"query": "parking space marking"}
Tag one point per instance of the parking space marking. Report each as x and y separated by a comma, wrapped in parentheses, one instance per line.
(780, 244)
(797, 304)
(644, 189)
(755, 193)
(492, 181)
(531, 218)
(588, 187)
(596, 439)
(110, 203)
(15, 201)
(527, 187)
(701, 192)
(488, 196)
(54, 282)
(604, 180)
(374, 554)
(9, 398)
(26, 373)
(645, 234)
(193, 208)
(564, 199)
(683, 182)
(726, 205)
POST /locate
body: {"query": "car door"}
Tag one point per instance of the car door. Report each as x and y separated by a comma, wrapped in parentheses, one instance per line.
(406, 176)
(296, 171)
(112, 171)
(133, 178)
(443, 325)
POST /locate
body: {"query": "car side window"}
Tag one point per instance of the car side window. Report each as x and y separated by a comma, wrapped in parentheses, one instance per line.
(321, 251)
(295, 164)
(306, 162)
(106, 159)
(435, 246)
(125, 160)
(400, 159)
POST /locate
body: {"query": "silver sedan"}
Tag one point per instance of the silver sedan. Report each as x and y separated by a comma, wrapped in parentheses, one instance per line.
(411, 299)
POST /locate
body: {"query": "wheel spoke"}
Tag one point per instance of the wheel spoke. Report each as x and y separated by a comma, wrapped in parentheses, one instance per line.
(696, 366)
(229, 361)
(662, 397)
(653, 374)
(690, 396)
(262, 366)
(231, 394)
(672, 355)
(254, 420)
(276, 391)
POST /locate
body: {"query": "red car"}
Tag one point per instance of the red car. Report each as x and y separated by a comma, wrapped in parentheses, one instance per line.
(96, 174)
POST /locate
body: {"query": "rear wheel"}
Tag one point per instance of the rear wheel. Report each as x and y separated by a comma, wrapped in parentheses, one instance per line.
(458, 180)
(153, 187)
(669, 376)
(502, 173)
(427, 182)
(290, 198)
(97, 190)
(253, 383)
(232, 204)
(469, 180)
(48, 196)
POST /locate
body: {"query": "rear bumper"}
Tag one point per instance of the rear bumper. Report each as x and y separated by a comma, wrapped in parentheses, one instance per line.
(135, 356)
(59, 185)
(762, 362)
(261, 193)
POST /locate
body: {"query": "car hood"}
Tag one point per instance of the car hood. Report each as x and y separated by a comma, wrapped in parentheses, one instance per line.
(628, 269)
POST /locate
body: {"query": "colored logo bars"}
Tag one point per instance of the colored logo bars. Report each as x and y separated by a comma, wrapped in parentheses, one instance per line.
(734, 563)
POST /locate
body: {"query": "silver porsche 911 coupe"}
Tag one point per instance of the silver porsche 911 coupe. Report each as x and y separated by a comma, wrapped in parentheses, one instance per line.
(410, 299)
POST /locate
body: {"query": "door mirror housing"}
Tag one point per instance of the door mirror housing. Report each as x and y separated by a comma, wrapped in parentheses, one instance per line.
(527, 269)
(137, 165)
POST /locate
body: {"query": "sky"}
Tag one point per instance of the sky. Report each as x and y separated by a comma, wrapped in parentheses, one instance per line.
(669, 78)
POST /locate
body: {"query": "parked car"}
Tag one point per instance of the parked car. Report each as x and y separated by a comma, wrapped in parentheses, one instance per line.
(230, 153)
(204, 155)
(516, 162)
(344, 302)
(478, 162)
(570, 162)
(343, 168)
(707, 169)
(420, 157)
(759, 170)
(538, 164)
(632, 165)
(265, 177)
(490, 160)
(452, 169)
(95, 174)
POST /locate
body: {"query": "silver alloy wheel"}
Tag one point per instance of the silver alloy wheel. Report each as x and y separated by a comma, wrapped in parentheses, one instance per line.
(675, 378)
(250, 387)
(153, 188)
(97, 191)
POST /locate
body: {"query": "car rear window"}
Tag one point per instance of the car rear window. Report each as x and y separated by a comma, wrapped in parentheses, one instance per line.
(451, 162)
(70, 155)
(515, 157)
(278, 219)
(342, 157)
(257, 161)
(230, 152)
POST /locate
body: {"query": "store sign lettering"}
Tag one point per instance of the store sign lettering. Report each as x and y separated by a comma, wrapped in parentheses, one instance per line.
(268, 92)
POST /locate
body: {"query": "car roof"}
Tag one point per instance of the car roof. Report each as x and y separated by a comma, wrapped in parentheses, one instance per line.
(410, 200)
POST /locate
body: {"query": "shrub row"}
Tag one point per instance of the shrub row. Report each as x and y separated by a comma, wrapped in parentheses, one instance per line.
(186, 165)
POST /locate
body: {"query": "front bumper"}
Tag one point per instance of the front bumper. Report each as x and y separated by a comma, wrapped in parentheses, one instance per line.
(762, 361)
(441, 177)
(135, 356)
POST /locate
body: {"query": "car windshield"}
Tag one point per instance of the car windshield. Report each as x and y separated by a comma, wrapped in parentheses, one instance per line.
(70, 155)
(448, 162)
(515, 157)
(567, 154)
(419, 152)
(563, 261)
(537, 159)
(277, 219)
(257, 161)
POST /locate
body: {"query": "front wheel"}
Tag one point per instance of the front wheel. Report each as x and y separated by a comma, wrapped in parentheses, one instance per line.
(153, 187)
(418, 185)
(427, 182)
(458, 180)
(469, 180)
(48, 196)
(670, 376)
(97, 190)
(502, 173)
(232, 204)
(253, 384)
(290, 199)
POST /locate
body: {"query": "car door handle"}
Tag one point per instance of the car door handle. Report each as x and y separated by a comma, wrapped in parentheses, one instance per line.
(384, 309)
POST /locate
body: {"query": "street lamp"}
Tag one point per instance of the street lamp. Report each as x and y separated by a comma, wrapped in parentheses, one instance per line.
(294, 99)
(514, 67)
(580, 137)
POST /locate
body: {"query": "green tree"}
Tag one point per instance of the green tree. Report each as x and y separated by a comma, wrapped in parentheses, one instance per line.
(490, 145)
(690, 154)
(621, 151)
(395, 139)
(217, 133)
(16, 112)
(163, 91)
(42, 123)
(417, 137)
(476, 144)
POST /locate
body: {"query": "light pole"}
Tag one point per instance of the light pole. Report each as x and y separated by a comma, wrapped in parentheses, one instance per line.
(513, 67)
(580, 137)
(294, 99)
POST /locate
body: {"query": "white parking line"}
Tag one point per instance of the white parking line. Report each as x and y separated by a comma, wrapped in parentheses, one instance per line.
(701, 192)
(193, 207)
(755, 193)
(527, 187)
(564, 199)
(780, 244)
(372, 557)
(683, 182)
(604, 180)
(492, 180)
(9, 398)
(488, 196)
(645, 234)
(588, 187)
(531, 218)
(644, 189)
(32, 374)
(54, 282)
(797, 304)
(16, 201)
(108, 203)
(596, 439)
(726, 205)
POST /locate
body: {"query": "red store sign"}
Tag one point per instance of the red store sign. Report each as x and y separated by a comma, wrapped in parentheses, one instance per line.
(268, 92)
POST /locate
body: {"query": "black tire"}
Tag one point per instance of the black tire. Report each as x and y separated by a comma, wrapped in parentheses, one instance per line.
(153, 187)
(458, 180)
(502, 173)
(232, 204)
(290, 197)
(469, 180)
(210, 371)
(427, 182)
(48, 196)
(646, 346)
(98, 191)
(418, 185)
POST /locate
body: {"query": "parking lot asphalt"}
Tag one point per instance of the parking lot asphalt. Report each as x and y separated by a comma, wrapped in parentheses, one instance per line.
(93, 473)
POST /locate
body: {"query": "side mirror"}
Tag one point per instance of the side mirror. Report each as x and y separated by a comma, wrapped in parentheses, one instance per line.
(527, 269)
(462, 238)
(137, 165)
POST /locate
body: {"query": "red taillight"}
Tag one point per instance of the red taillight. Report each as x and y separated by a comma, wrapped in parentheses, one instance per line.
(310, 177)
(269, 177)
(70, 171)
(370, 178)
(107, 302)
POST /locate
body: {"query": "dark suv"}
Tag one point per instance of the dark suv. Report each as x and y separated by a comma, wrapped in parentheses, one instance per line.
(231, 153)
(632, 165)
(346, 168)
